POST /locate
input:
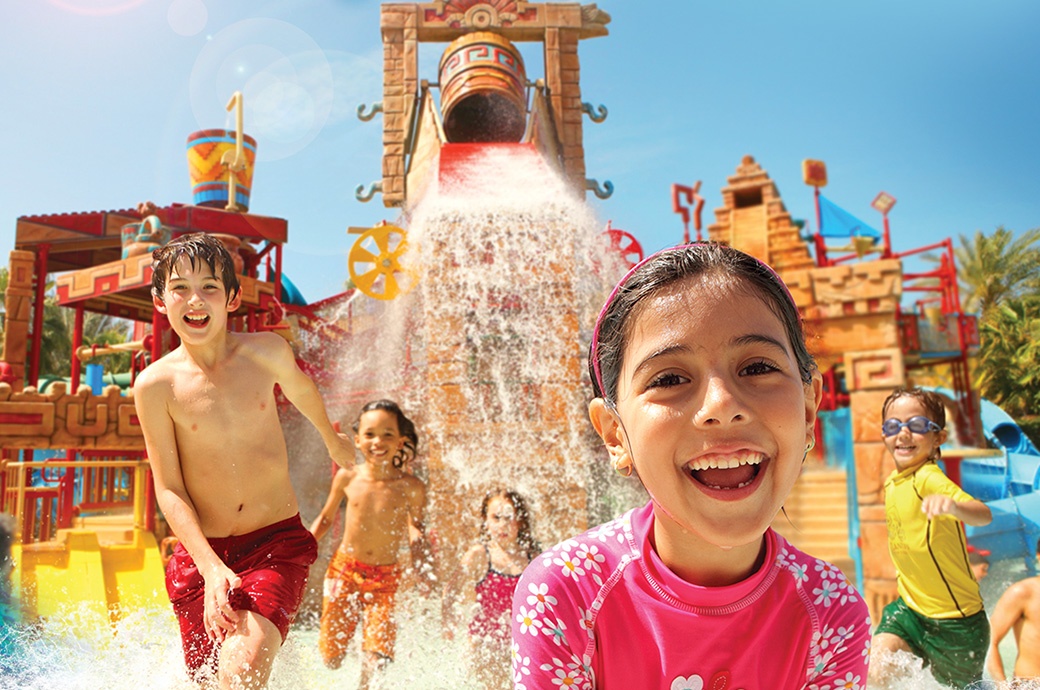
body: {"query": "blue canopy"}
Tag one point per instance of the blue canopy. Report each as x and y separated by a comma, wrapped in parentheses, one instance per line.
(837, 222)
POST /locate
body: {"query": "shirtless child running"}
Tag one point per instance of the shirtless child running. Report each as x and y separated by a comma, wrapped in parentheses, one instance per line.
(1017, 610)
(221, 470)
(385, 507)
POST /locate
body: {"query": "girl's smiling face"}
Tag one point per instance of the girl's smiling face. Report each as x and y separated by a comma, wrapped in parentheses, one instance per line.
(909, 449)
(712, 411)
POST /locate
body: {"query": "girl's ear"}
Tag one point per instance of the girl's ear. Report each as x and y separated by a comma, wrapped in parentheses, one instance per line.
(608, 425)
(813, 397)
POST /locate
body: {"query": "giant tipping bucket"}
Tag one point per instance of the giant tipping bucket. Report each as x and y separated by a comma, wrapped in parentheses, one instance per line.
(209, 175)
(483, 85)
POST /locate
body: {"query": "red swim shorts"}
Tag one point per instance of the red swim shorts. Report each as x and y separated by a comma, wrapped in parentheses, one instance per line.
(273, 563)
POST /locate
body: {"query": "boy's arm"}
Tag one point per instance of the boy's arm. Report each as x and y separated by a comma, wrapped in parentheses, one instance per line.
(1009, 609)
(301, 391)
(178, 508)
(973, 512)
(422, 559)
(337, 493)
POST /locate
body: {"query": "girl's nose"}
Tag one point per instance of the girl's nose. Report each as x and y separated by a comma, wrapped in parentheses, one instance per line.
(719, 405)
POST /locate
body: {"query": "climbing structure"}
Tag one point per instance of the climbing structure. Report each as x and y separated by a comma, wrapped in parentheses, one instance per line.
(865, 345)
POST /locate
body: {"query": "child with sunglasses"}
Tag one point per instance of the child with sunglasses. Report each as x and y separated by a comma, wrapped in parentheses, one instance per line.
(938, 615)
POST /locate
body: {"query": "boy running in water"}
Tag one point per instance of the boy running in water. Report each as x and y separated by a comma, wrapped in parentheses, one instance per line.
(221, 470)
(385, 507)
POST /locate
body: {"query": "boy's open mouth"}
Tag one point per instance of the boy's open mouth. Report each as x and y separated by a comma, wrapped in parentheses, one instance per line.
(726, 472)
(196, 320)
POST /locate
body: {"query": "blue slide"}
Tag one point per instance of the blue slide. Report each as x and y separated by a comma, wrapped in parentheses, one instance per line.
(290, 293)
(1010, 486)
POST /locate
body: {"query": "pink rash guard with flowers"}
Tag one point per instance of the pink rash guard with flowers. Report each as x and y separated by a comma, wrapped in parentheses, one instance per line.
(602, 611)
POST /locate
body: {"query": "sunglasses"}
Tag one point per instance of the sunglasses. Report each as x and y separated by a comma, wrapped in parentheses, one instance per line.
(918, 425)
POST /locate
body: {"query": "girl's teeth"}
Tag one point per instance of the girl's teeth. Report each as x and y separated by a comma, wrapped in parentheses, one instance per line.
(728, 488)
(724, 463)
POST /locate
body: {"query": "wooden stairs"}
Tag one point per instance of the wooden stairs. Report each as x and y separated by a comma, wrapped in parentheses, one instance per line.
(817, 518)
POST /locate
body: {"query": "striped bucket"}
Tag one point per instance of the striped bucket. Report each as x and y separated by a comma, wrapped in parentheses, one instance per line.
(209, 181)
(483, 90)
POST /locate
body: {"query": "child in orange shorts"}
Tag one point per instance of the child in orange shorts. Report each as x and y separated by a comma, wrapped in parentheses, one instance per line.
(385, 507)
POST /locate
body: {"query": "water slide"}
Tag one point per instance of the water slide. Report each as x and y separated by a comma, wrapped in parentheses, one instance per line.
(1010, 486)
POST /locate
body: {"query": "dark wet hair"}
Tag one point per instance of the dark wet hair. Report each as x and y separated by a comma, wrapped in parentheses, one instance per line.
(669, 266)
(931, 402)
(524, 539)
(405, 426)
(411, 442)
(199, 248)
(8, 529)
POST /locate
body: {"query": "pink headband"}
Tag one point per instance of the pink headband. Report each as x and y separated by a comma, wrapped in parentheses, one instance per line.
(594, 348)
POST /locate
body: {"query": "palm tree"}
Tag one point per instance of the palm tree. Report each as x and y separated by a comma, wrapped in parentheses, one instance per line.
(997, 267)
(1006, 372)
(58, 325)
(56, 342)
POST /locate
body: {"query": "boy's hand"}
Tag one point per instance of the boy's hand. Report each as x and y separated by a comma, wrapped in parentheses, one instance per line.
(218, 617)
(342, 451)
(937, 504)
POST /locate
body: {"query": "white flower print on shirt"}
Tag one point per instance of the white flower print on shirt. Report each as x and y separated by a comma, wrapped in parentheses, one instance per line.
(528, 622)
(539, 597)
(570, 674)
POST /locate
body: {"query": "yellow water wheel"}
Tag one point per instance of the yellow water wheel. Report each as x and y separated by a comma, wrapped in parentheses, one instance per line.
(375, 263)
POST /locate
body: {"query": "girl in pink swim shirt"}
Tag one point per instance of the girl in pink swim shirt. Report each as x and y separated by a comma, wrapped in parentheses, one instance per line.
(488, 575)
(706, 393)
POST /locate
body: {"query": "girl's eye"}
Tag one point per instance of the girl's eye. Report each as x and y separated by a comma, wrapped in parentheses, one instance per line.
(666, 380)
(758, 369)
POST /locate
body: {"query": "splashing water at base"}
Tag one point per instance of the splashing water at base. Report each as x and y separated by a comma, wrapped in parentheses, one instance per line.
(144, 653)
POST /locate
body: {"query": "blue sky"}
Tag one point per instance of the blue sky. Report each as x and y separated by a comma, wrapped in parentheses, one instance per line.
(933, 102)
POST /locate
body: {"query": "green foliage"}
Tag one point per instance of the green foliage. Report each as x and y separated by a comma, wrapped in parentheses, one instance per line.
(997, 267)
(999, 281)
(1007, 371)
(100, 329)
(1031, 426)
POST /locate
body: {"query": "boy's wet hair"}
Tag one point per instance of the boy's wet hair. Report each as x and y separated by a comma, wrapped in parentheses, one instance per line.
(669, 266)
(405, 427)
(524, 539)
(199, 248)
(932, 403)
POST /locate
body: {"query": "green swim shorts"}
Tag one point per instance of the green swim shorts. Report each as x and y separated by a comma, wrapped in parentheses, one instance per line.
(955, 648)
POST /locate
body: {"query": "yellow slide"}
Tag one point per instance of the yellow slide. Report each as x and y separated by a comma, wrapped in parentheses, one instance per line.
(90, 579)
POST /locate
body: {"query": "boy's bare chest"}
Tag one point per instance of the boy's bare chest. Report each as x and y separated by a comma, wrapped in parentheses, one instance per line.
(211, 401)
(376, 496)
